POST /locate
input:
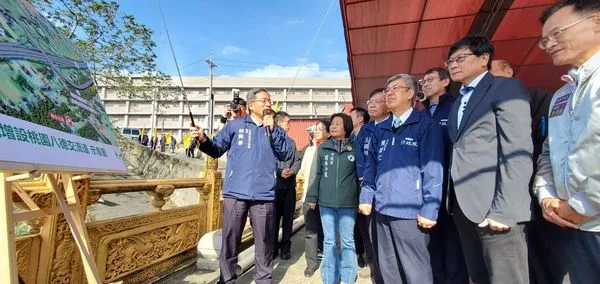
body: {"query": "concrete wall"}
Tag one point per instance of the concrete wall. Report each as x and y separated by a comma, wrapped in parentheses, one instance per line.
(148, 164)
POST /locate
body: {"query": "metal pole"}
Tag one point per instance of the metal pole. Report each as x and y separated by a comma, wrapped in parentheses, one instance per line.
(211, 107)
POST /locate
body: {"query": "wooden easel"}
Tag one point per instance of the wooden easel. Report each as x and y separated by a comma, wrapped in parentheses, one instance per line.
(69, 205)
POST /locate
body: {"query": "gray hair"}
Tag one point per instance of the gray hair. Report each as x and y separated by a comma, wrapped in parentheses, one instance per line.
(410, 82)
(252, 94)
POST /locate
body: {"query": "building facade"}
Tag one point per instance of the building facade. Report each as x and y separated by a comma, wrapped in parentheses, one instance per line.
(309, 98)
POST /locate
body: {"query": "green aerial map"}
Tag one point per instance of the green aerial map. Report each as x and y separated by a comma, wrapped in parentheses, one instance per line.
(44, 79)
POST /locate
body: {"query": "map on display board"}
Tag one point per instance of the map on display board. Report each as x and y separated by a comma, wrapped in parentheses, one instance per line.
(51, 117)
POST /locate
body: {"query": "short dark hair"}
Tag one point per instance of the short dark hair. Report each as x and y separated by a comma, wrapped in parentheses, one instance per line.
(580, 6)
(479, 45)
(279, 116)
(348, 127)
(362, 112)
(376, 91)
(443, 73)
(326, 122)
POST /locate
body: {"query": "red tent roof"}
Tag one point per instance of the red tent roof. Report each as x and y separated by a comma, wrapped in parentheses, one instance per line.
(386, 37)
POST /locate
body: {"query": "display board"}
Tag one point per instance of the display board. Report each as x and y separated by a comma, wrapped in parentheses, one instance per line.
(51, 117)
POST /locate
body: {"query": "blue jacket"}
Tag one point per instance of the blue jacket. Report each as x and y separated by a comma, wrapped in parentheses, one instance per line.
(403, 169)
(440, 115)
(252, 159)
(363, 143)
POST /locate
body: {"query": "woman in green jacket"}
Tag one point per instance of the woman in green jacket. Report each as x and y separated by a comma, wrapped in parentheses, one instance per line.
(333, 186)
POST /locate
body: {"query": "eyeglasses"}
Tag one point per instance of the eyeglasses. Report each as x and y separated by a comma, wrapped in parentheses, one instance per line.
(558, 33)
(429, 80)
(371, 102)
(458, 59)
(394, 88)
(263, 101)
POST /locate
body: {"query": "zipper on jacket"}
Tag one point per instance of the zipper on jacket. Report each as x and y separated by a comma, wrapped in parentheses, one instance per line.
(337, 177)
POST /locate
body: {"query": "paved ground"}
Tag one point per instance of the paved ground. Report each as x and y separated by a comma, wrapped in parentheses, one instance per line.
(286, 271)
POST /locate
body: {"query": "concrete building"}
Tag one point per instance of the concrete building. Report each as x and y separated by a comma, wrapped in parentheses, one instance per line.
(310, 98)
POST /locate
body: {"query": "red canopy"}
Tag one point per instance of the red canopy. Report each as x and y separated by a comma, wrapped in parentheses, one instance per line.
(386, 37)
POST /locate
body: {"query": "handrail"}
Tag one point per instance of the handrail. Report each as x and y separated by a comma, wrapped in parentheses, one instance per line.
(119, 186)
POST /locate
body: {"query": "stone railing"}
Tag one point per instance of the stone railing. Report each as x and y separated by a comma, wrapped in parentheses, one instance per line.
(133, 249)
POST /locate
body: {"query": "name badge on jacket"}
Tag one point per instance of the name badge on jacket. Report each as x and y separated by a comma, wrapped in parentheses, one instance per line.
(558, 108)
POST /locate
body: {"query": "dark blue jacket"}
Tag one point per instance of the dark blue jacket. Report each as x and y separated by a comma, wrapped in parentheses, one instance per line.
(403, 169)
(440, 115)
(363, 142)
(252, 159)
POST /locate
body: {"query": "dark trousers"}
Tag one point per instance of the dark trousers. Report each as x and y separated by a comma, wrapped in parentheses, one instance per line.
(262, 216)
(545, 245)
(285, 204)
(447, 260)
(358, 238)
(368, 232)
(493, 257)
(582, 250)
(402, 251)
(313, 238)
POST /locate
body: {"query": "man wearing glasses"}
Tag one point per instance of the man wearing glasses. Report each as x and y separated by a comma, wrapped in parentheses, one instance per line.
(403, 174)
(249, 185)
(567, 182)
(447, 259)
(378, 112)
(491, 165)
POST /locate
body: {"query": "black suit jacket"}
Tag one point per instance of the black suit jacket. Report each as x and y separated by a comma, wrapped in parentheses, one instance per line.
(491, 157)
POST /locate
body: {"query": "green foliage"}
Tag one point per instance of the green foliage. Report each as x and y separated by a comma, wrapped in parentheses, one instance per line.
(114, 44)
(88, 131)
(39, 115)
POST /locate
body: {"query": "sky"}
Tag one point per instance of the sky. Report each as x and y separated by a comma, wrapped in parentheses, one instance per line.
(248, 38)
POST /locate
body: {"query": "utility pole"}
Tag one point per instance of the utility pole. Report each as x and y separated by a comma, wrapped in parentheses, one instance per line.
(211, 103)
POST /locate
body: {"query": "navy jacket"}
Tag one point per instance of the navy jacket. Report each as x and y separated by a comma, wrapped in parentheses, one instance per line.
(403, 168)
(440, 115)
(363, 143)
(252, 159)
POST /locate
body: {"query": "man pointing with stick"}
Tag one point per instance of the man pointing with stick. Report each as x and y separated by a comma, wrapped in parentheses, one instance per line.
(255, 145)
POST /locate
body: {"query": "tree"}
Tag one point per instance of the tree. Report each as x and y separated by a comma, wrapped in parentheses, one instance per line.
(114, 44)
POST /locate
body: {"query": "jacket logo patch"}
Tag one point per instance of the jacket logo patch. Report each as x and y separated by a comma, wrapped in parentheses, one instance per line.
(351, 158)
(444, 122)
(559, 105)
(409, 142)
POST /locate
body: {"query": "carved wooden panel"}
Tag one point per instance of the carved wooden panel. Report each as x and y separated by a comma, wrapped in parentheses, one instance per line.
(127, 246)
(28, 254)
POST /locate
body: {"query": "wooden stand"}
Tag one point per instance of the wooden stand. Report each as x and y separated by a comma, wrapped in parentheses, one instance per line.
(69, 205)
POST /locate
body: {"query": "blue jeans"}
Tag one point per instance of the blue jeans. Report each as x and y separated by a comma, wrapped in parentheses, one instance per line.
(338, 220)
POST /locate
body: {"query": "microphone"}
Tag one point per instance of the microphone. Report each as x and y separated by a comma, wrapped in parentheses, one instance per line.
(268, 128)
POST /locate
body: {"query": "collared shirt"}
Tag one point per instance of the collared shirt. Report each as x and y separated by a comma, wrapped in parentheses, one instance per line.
(432, 108)
(398, 121)
(466, 92)
(258, 123)
(377, 122)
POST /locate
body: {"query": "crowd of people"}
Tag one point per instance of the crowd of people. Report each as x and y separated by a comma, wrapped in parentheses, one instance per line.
(161, 143)
(496, 184)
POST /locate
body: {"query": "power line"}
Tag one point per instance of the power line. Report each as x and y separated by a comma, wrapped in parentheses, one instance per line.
(309, 48)
(174, 59)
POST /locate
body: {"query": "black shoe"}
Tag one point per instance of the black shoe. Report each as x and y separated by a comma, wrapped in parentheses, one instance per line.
(309, 272)
(285, 254)
(361, 261)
